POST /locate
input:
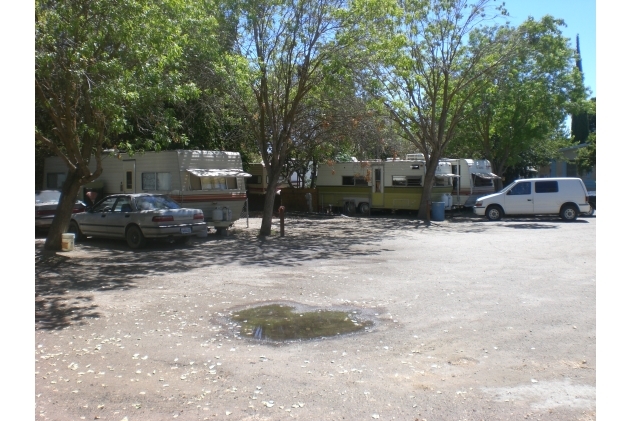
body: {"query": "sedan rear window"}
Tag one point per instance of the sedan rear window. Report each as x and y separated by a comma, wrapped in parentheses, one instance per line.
(155, 203)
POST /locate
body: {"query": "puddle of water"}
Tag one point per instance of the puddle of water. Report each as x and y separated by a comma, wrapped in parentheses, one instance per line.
(277, 322)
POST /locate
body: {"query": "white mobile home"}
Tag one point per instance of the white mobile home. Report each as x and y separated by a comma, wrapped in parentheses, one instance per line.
(213, 181)
(475, 180)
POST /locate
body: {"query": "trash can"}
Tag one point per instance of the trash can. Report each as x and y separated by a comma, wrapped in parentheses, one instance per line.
(438, 211)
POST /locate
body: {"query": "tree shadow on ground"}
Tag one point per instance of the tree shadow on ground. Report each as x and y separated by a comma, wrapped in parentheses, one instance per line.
(65, 283)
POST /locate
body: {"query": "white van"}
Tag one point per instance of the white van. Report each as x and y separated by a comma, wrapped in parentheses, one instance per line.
(566, 197)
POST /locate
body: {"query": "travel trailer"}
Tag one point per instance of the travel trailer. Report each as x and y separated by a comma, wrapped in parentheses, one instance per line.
(257, 183)
(213, 181)
(475, 180)
(393, 184)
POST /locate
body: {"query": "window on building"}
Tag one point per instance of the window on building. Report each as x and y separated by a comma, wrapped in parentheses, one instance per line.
(156, 181)
(571, 170)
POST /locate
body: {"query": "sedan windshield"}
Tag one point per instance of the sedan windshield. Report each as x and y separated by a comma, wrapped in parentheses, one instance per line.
(155, 203)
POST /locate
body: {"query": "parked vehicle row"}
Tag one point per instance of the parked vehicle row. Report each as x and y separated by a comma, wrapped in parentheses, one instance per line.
(141, 216)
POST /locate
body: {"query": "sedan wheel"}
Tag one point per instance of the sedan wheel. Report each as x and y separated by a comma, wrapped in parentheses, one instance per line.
(134, 237)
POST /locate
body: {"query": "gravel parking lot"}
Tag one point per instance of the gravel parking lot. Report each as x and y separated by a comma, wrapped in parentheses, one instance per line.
(473, 320)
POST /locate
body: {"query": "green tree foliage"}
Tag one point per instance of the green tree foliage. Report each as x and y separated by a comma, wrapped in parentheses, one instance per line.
(586, 159)
(284, 47)
(103, 72)
(516, 119)
(427, 59)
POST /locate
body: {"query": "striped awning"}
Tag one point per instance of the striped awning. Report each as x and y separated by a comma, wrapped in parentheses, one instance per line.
(218, 172)
(487, 176)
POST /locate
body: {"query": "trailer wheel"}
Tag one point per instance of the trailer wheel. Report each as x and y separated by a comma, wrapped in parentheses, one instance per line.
(494, 213)
(364, 208)
(349, 208)
(569, 212)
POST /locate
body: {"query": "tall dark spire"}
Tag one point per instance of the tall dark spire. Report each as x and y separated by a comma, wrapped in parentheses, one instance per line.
(579, 62)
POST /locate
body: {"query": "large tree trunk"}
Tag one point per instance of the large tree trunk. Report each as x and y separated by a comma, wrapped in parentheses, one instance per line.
(63, 213)
(268, 207)
(428, 183)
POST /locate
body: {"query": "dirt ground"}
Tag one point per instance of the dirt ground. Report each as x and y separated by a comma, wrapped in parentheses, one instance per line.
(473, 320)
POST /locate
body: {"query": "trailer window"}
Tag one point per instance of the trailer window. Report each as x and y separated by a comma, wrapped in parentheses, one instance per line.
(218, 183)
(403, 181)
(482, 182)
(156, 181)
(255, 179)
(398, 180)
(442, 181)
(354, 181)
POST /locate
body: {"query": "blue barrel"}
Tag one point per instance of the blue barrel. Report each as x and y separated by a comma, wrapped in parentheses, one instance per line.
(438, 211)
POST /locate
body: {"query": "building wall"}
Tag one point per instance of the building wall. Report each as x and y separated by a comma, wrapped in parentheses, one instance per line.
(566, 168)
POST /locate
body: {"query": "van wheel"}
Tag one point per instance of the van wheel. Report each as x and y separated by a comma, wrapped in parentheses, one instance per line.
(364, 208)
(494, 213)
(569, 212)
(134, 237)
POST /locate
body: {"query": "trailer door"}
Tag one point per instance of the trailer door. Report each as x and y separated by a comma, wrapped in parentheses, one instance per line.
(129, 176)
(377, 187)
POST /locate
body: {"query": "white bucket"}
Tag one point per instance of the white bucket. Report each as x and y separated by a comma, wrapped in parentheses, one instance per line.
(67, 242)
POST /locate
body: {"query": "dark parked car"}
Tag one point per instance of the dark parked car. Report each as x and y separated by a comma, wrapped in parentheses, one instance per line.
(137, 217)
(46, 202)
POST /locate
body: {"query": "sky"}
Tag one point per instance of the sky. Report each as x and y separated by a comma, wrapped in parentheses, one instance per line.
(580, 18)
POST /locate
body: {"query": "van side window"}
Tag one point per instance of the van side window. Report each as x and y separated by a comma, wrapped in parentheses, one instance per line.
(546, 186)
(521, 188)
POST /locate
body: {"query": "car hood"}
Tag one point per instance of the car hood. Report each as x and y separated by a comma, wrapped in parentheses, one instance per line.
(489, 196)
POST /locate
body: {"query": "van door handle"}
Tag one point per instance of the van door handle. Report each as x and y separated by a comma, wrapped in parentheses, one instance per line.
(530, 200)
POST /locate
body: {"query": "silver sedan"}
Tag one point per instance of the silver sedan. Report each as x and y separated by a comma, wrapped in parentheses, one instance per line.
(136, 218)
